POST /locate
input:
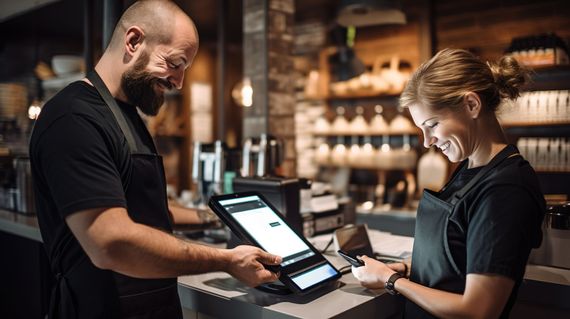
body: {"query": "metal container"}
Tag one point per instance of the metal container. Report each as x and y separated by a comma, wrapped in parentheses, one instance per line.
(24, 202)
(556, 238)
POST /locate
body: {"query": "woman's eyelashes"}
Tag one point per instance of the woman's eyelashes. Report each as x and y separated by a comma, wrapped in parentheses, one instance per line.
(433, 125)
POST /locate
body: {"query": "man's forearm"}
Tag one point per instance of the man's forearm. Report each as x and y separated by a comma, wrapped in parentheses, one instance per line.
(112, 240)
(146, 252)
(182, 215)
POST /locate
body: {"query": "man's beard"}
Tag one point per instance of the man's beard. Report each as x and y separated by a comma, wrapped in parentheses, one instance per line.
(139, 87)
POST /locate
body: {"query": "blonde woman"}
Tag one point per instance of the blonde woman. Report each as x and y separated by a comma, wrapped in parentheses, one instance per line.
(474, 236)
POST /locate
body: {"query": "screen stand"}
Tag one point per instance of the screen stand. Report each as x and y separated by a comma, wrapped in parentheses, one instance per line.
(275, 287)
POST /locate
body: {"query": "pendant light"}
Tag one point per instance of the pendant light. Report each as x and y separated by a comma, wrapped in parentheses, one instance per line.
(361, 13)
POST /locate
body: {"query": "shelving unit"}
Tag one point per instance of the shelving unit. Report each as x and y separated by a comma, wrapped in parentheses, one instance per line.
(362, 177)
(551, 78)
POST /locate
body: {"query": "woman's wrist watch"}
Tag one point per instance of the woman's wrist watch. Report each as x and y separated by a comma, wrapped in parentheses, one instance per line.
(390, 288)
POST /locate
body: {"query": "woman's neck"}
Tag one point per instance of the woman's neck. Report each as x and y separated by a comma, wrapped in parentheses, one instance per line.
(491, 139)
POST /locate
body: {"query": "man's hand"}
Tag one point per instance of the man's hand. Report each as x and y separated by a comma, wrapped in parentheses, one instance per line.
(246, 264)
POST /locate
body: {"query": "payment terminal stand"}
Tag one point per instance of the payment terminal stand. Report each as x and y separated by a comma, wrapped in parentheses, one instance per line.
(284, 194)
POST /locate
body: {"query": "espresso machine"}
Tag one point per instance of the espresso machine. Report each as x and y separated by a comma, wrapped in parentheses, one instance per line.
(16, 193)
(261, 156)
(207, 171)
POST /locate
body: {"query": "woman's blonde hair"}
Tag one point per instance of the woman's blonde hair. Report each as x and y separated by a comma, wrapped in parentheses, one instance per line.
(443, 81)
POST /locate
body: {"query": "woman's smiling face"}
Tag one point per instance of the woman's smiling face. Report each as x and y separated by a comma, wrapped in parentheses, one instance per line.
(452, 131)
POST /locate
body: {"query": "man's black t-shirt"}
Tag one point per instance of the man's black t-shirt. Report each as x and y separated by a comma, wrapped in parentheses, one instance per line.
(80, 158)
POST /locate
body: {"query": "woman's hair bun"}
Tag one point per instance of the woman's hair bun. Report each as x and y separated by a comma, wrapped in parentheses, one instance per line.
(509, 76)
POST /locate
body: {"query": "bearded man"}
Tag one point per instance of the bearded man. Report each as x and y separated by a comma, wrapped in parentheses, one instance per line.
(100, 187)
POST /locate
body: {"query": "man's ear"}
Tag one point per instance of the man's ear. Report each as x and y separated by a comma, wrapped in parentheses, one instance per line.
(473, 104)
(134, 38)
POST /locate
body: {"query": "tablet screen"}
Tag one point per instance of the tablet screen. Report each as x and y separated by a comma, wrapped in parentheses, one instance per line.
(314, 276)
(268, 229)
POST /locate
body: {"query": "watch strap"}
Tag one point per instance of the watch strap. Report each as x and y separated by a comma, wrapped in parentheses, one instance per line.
(390, 283)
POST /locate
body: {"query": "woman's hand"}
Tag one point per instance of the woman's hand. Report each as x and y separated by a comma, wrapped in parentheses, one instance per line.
(403, 268)
(374, 273)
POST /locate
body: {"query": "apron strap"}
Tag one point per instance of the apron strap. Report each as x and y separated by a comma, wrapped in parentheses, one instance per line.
(453, 175)
(61, 304)
(112, 104)
(508, 152)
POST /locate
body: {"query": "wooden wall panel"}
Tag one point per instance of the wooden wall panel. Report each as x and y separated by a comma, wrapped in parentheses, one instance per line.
(487, 27)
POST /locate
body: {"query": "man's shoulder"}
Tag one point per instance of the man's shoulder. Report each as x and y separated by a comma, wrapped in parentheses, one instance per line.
(75, 109)
(78, 99)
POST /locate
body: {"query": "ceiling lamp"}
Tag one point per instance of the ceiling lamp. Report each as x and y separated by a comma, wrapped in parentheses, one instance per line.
(242, 93)
(361, 13)
(345, 65)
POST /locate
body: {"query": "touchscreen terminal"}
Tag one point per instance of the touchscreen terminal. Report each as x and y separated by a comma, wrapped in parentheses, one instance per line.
(254, 220)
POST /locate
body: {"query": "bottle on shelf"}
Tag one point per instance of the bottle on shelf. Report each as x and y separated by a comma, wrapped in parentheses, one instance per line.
(322, 126)
(323, 153)
(340, 125)
(355, 153)
(404, 157)
(367, 152)
(383, 158)
(339, 153)
(401, 124)
(378, 124)
(358, 125)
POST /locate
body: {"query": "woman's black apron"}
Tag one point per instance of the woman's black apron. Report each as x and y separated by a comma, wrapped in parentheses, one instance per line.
(85, 291)
(432, 262)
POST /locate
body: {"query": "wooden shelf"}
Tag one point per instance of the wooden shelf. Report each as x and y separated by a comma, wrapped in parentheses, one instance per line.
(416, 133)
(362, 95)
(547, 78)
(369, 167)
(561, 130)
(535, 124)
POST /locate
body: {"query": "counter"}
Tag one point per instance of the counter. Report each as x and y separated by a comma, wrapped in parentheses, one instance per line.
(20, 225)
(219, 295)
(24, 271)
(543, 292)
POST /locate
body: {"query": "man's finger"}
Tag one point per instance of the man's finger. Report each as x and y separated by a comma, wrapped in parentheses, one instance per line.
(269, 259)
(267, 276)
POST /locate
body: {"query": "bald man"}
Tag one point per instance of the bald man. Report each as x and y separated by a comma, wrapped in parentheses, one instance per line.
(100, 186)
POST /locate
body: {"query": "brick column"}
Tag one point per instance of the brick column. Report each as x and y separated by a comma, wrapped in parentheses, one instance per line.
(268, 62)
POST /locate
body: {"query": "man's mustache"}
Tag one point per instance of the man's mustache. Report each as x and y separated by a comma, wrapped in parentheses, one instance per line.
(165, 83)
